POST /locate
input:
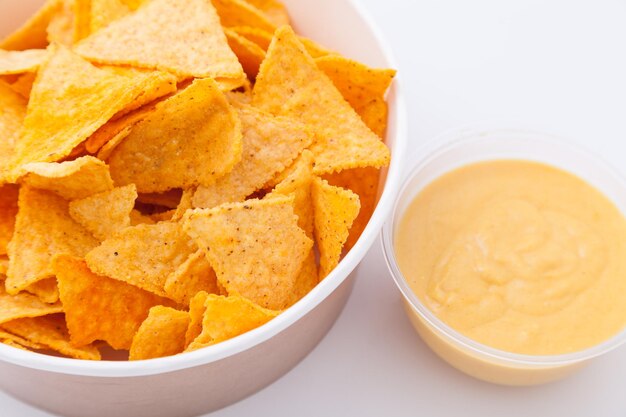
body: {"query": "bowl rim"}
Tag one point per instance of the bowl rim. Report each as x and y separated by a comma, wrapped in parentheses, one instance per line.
(126, 369)
(437, 146)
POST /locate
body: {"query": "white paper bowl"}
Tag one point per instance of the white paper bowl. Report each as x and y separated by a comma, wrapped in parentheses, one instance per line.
(211, 378)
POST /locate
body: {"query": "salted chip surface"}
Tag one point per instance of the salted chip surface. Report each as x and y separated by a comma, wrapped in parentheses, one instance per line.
(43, 228)
(8, 212)
(191, 277)
(161, 334)
(106, 213)
(33, 33)
(269, 145)
(179, 36)
(18, 62)
(335, 210)
(143, 255)
(98, 307)
(256, 247)
(227, 317)
(12, 112)
(249, 54)
(196, 314)
(51, 331)
(59, 119)
(22, 305)
(242, 13)
(71, 180)
(191, 138)
(289, 83)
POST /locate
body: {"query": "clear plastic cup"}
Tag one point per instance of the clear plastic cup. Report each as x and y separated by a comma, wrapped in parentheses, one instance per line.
(461, 147)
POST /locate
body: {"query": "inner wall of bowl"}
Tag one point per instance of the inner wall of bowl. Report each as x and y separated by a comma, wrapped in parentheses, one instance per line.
(465, 147)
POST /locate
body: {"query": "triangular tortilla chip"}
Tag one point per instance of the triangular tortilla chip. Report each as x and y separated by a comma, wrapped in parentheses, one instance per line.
(180, 36)
(51, 331)
(103, 12)
(46, 290)
(264, 38)
(275, 11)
(43, 229)
(18, 62)
(196, 314)
(308, 278)
(143, 255)
(242, 13)
(161, 334)
(8, 211)
(71, 180)
(227, 317)
(22, 305)
(249, 54)
(269, 145)
(58, 119)
(12, 112)
(62, 27)
(193, 276)
(23, 85)
(107, 149)
(106, 213)
(289, 83)
(13, 340)
(335, 210)
(98, 307)
(192, 138)
(256, 247)
(33, 33)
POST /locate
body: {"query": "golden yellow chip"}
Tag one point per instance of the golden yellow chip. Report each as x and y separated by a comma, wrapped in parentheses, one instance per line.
(227, 317)
(374, 115)
(51, 332)
(180, 36)
(103, 12)
(261, 37)
(46, 290)
(335, 210)
(33, 33)
(106, 213)
(14, 344)
(136, 218)
(22, 305)
(107, 149)
(196, 314)
(59, 119)
(307, 279)
(71, 180)
(242, 13)
(256, 247)
(98, 307)
(13, 110)
(193, 276)
(191, 138)
(184, 204)
(23, 85)
(289, 83)
(4, 267)
(169, 199)
(163, 216)
(18, 62)
(8, 337)
(269, 145)
(275, 11)
(43, 228)
(82, 18)
(314, 49)
(62, 27)
(161, 334)
(8, 211)
(239, 98)
(143, 255)
(249, 54)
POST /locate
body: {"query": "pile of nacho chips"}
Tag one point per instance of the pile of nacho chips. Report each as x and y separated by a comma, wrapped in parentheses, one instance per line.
(174, 173)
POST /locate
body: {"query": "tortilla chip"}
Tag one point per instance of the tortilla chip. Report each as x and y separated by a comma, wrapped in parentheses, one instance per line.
(24, 305)
(308, 278)
(180, 36)
(136, 218)
(269, 145)
(103, 12)
(275, 11)
(18, 62)
(43, 228)
(169, 199)
(161, 334)
(289, 83)
(227, 317)
(335, 210)
(46, 290)
(82, 18)
(15, 339)
(197, 125)
(374, 115)
(256, 247)
(8, 211)
(4, 267)
(71, 180)
(98, 307)
(242, 13)
(107, 149)
(249, 54)
(13, 344)
(314, 49)
(51, 331)
(264, 38)
(12, 112)
(23, 85)
(106, 213)
(143, 255)
(184, 204)
(193, 276)
(61, 28)
(196, 314)
(58, 119)
(33, 33)
(363, 182)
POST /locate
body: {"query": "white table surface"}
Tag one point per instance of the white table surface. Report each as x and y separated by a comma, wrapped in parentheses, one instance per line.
(556, 65)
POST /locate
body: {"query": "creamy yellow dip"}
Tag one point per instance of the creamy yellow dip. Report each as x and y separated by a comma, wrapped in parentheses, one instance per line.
(517, 255)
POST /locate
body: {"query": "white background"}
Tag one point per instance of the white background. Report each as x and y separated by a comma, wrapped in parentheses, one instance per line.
(555, 65)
